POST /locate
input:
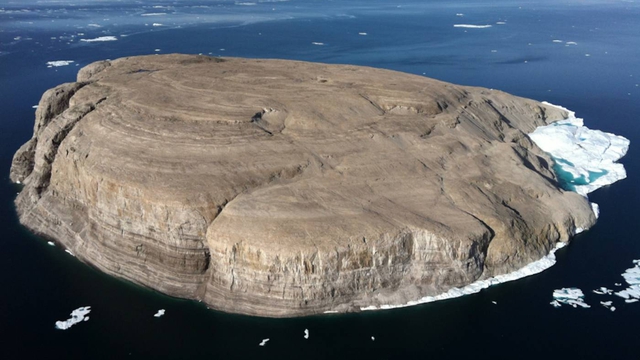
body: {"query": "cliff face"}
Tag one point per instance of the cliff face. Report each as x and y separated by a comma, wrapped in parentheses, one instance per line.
(280, 188)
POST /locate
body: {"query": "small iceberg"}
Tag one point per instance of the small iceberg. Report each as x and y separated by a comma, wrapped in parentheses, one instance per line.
(468, 26)
(306, 333)
(317, 43)
(585, 159)
(608, 305)
(603, 291)
(159, 313)
(51, 243)
(57, 63)
(569, 296)
(77, 315)
(263, 342)
(101, 38)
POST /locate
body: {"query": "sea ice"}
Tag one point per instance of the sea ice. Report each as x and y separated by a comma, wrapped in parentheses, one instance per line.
(608, 305)
(584, 158)
(569, 296)
(69, 252)
(153, 14)
(306, 333)
(157, 24)
(317, 43)
(77, 316)
(263, 342)
(57, 63)
(632, 277)
(101, 38)
(530, 269)
(468, 26)
(362, 33)
(603, 291)
(51, 243)
(159, 313)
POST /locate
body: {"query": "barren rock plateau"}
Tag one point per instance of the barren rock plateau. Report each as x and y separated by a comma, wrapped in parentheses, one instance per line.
(283, 188)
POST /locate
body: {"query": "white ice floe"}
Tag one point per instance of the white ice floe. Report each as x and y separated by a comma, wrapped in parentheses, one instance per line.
(317, 43)
(362, 33)
(94, 25)
(77, 315)
(34, 106)
(69, 252)
(571, 43)
(154, 14)
(632, 277)
(608, 305)
(159, 313)
(501, 23)
(57, 63)
(157, 24)
(468, 26)
(263, 342)
(569, 296)
(603, 291)
(585, 158)
(101, 38)
(557, 41)
(306, 333)
(530, 269)
(460, 14)
(51, 243)
(373, 338)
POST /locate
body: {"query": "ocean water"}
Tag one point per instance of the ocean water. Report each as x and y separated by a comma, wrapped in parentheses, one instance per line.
(581, 54)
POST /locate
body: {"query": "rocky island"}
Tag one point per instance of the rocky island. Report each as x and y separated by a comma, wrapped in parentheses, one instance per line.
(281, 188)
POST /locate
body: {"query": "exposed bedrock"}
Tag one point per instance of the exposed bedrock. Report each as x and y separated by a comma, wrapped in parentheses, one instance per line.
(281, 188)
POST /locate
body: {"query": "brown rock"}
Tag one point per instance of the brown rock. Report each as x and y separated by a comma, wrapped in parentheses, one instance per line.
(282, 188)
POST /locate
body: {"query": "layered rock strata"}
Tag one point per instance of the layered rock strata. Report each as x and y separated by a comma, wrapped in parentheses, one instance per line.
(281, 188)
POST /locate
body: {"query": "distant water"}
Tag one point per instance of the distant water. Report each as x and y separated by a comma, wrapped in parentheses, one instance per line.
(579, 54)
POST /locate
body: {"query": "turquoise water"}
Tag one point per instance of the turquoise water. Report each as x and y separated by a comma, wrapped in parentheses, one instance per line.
(42, 284)
(568, 181)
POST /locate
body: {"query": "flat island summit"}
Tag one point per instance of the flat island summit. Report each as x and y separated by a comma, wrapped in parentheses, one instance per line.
(283, 188)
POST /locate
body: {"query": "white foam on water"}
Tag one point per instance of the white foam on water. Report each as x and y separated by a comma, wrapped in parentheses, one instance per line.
(263, 342)
(94, 25)
(57, 63)
(589, 156)
(101, 38)
(469, 26)
(528, 270)
(77, 315)
(159, 313)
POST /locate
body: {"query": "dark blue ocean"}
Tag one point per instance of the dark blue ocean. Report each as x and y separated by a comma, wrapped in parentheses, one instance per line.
(581, 54)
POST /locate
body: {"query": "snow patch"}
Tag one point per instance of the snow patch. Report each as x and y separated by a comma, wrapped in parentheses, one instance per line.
(77, 315)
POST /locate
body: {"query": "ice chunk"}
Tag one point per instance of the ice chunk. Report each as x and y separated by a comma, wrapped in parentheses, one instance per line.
(306, 333)
(263, 342)
(570, 296)
(101, 38)
(373, 338)
(317, 43)
(468, 26)
(77, 316)
(362, 33)
(584, 158)
(157, 24)
(57, 63)
(632, 277)
(51, 243)
(154, 14)
(159, 313)
(69, 252)
(603, 291)
(607, 304)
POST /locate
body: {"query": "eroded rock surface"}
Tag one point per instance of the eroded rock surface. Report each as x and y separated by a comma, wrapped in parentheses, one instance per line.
(281, 188)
